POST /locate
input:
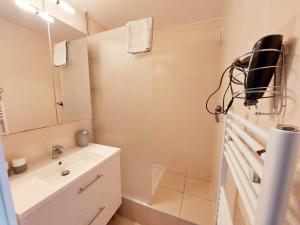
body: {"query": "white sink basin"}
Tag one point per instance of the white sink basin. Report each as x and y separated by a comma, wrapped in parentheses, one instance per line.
(76, 164)
(38, 185)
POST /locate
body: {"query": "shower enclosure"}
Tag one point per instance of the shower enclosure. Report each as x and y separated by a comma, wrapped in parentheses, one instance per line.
(152, 106)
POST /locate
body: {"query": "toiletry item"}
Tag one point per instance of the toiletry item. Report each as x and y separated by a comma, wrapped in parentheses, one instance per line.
(7, 168)
(19, 165)
(82, 138)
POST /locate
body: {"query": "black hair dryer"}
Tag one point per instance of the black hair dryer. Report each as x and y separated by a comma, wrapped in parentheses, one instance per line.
(261, 67)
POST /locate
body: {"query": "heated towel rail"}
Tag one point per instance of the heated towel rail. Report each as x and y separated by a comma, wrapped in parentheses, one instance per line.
(262, 164)
(3, 119)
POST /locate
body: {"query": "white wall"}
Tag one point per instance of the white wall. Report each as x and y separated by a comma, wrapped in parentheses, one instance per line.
(121, 101)
(185, 70)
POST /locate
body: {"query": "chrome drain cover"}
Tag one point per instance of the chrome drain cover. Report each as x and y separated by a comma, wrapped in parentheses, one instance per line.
(65, 172)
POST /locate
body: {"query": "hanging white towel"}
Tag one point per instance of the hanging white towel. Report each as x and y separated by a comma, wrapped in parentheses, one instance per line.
(3, 120)
(60, 54)
(140, 33)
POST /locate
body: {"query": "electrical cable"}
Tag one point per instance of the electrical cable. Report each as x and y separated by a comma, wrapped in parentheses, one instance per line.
(212, 94)
(232, 80)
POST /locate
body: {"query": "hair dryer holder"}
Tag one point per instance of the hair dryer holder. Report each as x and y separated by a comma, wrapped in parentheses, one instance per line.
(275, 91)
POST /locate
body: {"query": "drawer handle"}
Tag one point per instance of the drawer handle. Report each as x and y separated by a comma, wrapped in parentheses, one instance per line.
(96, 216)
(87, 186)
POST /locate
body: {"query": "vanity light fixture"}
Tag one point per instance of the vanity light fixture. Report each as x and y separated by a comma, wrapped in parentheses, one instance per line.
(45, 16)
(64, 6)
(30, 8)
(26, 6)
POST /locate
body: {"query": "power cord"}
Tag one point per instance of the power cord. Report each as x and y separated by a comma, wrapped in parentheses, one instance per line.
(236, 65)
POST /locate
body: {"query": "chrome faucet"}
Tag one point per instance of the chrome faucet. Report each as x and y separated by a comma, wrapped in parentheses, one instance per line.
(57, 151)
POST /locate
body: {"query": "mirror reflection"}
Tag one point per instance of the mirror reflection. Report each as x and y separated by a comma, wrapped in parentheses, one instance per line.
(26, 72)
(71, 72)
(44, 70)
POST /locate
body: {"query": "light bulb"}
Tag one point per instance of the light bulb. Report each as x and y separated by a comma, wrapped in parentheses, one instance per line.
(26, 6)
(66, 7)
(45, 16)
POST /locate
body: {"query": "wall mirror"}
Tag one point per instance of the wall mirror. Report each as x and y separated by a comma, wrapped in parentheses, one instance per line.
(35, 93)
(25, 70)
(71, 72)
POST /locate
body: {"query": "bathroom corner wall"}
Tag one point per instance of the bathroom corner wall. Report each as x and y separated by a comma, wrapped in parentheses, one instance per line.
(153, 105)
(94, 27)
(245, 22)
(186, 63)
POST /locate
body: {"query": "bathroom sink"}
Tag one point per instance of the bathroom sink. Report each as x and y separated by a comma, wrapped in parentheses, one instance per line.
(45, 180)
(75, 164)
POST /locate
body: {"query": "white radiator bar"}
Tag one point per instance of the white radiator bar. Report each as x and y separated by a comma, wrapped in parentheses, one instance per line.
(253, 159)
(244, 165)
(253, 144)
(252, 127)
(242, 191)
(245, 182)
(224, 217)
(265, 203)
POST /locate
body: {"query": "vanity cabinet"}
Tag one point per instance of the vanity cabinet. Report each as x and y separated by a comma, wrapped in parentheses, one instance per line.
(91, 200)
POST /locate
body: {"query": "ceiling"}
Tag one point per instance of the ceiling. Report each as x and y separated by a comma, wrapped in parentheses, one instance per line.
(59, 30)
(166, 13)
(13, 14)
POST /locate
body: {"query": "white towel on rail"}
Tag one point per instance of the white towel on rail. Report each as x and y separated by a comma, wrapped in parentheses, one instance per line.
(3, 120)
(60, 54)
(139, 35)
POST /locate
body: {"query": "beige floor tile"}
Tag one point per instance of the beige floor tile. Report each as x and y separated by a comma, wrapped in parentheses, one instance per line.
(198, 188)
(167, 201)
(125, 221)
(114, 220)
(183, 222)
(158, 218)
(197, 210)
(198, 176)
(176, 171)
(172, 181)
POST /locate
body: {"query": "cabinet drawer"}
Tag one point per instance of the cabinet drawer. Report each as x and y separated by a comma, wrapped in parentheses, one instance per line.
(104, 209)
(72, 204)
(91, 187)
